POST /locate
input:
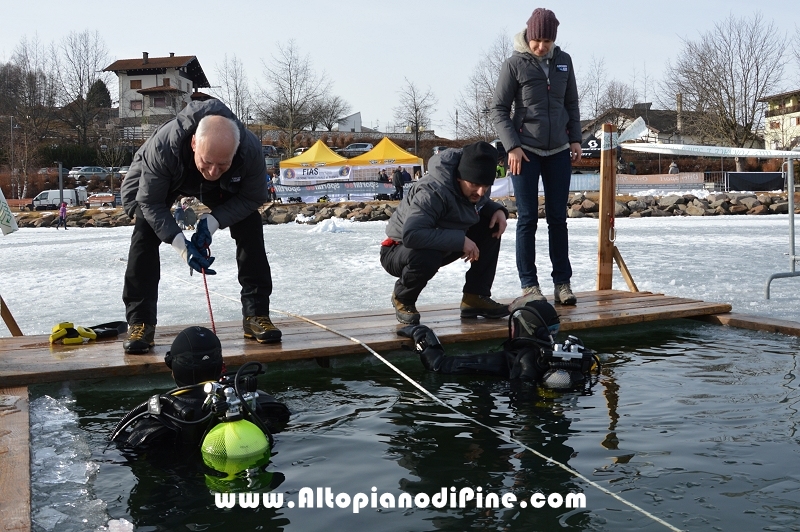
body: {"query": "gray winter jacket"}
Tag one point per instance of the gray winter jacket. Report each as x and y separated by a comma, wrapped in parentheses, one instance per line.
(164, 165)
(435, 214)
(546, 113)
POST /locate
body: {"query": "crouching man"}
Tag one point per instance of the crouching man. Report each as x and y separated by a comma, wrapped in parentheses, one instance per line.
(448, 215)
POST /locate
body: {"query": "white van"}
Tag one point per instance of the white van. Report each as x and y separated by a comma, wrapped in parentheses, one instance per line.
(50, 199)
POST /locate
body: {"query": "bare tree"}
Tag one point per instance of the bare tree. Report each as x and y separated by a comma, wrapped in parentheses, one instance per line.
(35, 103)
(331, 110)
(592, 88)
(234, 88)
(470, 118)
(415, 109)
(83, 57)
(722, 76)
(291, 92)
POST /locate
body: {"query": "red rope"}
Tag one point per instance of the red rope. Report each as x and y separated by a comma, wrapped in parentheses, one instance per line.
(208, 300)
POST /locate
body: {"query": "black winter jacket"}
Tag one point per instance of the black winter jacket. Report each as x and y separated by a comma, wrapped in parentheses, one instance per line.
(164, 165)
(546, 111)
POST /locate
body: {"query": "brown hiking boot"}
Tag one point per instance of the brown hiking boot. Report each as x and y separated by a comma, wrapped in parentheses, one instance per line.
(261, 329)
(404, 312)
(473, 306)
(529, 293)
(140, 340)
(564, 295)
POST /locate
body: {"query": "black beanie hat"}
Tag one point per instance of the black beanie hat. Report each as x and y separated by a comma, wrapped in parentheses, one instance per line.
(478, 163)
(195, 356)
(543, 24)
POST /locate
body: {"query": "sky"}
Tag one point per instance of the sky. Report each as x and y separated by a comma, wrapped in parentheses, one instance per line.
(368, 48)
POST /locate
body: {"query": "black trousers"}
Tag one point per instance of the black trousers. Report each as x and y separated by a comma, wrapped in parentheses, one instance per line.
(140, 293)
(415, 267)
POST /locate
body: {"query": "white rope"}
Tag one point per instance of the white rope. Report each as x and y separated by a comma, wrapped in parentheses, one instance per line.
(419, 387)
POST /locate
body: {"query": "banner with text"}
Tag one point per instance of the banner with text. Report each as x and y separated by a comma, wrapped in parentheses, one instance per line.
(315, 174)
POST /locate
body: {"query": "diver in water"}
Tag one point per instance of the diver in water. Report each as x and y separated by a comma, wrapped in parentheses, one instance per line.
(530, 353)
(206, 396)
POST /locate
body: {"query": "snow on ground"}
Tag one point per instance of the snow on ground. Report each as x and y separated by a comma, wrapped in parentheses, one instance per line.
(53, 275)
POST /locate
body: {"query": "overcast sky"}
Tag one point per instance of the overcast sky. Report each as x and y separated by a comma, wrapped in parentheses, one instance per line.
(367, 48)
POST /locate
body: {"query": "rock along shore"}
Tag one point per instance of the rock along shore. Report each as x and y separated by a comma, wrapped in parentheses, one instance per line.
(580, 205)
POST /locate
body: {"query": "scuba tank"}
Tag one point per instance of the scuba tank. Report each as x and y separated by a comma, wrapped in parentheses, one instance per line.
(240, 440)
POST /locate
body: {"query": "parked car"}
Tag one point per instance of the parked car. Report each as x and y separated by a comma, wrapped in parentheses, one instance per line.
(270, 151)
(356, 149)
(53, 171)
(51, 199)
(123, 170)
(298, 151)
(101, 199)
(88, 172)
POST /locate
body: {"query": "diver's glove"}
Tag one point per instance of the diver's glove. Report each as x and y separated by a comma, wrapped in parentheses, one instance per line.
(198, 260)
(206, 227)
(426, 344)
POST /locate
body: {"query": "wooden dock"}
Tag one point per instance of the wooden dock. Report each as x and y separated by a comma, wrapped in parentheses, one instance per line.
(32, 359)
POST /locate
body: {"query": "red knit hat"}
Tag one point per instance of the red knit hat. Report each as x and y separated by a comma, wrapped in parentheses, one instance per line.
(543, 24)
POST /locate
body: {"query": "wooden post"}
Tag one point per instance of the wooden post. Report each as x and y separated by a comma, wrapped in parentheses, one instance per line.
(608, 191)
(9, 319)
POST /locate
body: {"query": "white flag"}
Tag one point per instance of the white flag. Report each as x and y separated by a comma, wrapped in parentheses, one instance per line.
(7, 222)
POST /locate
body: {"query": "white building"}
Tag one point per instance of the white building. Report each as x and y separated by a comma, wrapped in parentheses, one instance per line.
(154, 89)
(782, 120)
(349, 124)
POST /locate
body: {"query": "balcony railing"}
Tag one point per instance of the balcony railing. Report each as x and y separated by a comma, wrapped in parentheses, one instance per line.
(782, 111)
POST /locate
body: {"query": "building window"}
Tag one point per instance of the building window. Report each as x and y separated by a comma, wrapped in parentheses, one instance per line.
(166, 82)
(136, 105)
(797, 120)
(136, 84)
(775, 125)
(159, 101)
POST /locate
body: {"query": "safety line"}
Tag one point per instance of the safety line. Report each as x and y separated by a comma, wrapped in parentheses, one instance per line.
(429, 394)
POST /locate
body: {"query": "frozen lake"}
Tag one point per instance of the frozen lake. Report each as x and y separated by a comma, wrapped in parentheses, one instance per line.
(51, 275)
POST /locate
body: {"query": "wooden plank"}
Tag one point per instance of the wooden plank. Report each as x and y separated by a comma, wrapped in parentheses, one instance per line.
(8, 318)
(32, 359)
(623, 268)
(754, 323)
(608, 191)
(15, 459)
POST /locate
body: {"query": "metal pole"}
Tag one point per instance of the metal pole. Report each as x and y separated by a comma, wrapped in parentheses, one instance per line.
(13, 184)
(61, 185)
(790, 179)
(792, 258)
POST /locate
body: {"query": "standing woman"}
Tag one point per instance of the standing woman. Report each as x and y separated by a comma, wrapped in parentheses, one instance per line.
(542, 137)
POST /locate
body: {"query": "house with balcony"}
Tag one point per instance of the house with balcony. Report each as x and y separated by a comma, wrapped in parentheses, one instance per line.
(782, 120)
(152, 90)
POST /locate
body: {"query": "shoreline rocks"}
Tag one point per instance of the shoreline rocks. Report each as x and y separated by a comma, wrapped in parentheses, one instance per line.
(580, 205)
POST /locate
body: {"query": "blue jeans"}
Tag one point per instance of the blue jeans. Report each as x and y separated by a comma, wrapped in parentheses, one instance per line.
(556, 171)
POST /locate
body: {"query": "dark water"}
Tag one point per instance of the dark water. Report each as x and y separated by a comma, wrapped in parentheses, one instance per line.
(694, 423)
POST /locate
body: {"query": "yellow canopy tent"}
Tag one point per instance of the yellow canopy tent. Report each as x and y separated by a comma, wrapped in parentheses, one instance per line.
(317, 155)
(386, 153)
(318, 163)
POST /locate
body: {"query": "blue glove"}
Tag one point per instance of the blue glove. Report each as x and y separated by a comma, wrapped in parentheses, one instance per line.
(197, 259)
(205, 228)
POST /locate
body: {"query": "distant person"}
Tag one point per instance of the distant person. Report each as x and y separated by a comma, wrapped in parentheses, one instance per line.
(447, 216)
(205, 151)
(542, 138)
(406, 176)
(417, 175)
(397, 181)
(673, 168)
(62, 216)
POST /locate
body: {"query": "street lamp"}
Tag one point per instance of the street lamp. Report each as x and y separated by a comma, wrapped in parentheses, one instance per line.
(14, 184)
